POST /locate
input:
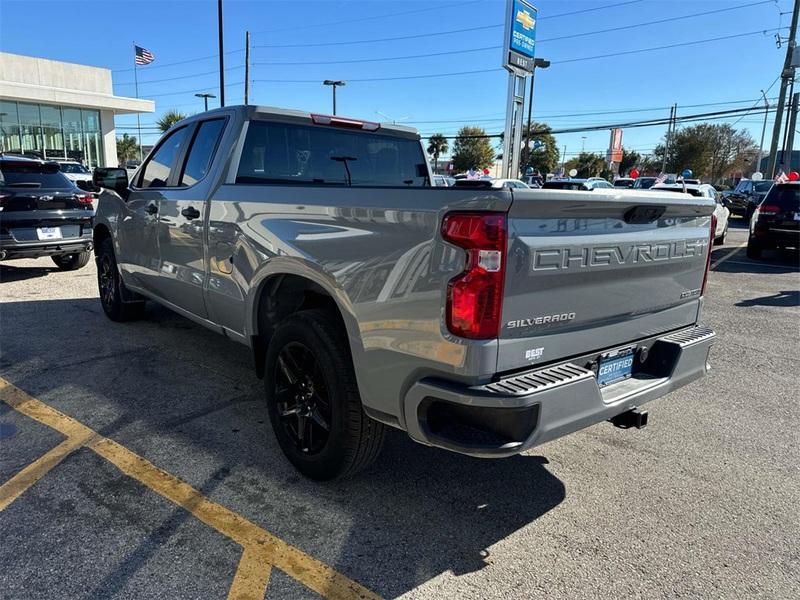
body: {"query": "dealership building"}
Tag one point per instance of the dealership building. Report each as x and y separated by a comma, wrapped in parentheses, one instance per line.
(57, 110)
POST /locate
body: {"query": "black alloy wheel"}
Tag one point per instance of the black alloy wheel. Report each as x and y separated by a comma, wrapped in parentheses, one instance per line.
(302, 398)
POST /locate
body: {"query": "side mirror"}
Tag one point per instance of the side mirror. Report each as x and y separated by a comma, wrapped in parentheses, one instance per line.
(111, 179)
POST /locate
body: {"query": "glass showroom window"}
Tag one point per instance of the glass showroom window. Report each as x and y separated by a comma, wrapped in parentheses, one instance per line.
(30, 129)
(9, 128)
(52, 132)
(91, 131)
(73, 136)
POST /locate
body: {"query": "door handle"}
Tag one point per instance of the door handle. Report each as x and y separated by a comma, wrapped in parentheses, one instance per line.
(151, 209)
(190, 212)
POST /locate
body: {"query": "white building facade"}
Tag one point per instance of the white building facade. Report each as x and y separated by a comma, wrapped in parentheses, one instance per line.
(57, 110)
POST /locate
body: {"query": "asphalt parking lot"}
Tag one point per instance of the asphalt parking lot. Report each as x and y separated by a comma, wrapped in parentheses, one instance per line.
(137, 461)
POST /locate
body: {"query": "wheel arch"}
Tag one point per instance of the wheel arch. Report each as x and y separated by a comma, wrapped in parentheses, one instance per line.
(280, 293)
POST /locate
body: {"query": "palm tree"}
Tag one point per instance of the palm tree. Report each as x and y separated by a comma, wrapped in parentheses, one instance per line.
(127, 148)
(437, 144)
(168, 119)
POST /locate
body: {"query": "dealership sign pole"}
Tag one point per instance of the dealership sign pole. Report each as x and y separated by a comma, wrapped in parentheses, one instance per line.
(518, 59)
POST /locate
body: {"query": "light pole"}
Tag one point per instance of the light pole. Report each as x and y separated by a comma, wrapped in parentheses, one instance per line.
(334, 83)
(205, 98)
(542, 64)
(763, 131)
(583, 144)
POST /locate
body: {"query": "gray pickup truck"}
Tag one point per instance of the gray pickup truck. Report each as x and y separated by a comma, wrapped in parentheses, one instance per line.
(484, 321)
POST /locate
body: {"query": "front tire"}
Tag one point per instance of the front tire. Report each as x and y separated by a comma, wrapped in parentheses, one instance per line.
(72, 262)
(111, 287)
(313, 400)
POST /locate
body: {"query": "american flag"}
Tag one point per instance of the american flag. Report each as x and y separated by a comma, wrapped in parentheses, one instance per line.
(143, 56)
(781, 177)
(662, 177)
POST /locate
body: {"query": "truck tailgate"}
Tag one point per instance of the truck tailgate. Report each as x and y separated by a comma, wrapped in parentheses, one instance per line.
(587, 271)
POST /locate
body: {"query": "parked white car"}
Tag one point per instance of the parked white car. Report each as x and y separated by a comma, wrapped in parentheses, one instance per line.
(704, 190)
(77, 173)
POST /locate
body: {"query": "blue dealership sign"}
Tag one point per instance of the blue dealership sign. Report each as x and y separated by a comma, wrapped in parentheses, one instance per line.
(520, 36)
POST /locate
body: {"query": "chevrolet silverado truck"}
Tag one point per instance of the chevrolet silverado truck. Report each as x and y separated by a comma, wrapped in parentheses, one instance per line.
(480, 320)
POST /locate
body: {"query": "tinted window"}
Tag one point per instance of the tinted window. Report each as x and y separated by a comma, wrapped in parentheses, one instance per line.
(284, 153)
(202, 151)
(785, 196)
(73, 168)
(156, 171)
(763, 186)
(32, 175)
(564, 185)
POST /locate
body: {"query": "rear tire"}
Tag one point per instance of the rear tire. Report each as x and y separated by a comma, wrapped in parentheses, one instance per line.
(313, 400)
(754, 249)
(719, 241)
(111, 287)
(72, 262)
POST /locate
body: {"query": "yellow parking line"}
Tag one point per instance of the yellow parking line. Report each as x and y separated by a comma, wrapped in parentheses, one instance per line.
(252, 575)
(19, 483)
(262, 550)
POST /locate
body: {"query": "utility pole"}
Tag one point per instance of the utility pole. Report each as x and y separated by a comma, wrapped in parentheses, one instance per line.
(673, 115)
(763, 131)
(787, 152)
(787, 74)
(784, 160)
(221, 56)
(246, 67)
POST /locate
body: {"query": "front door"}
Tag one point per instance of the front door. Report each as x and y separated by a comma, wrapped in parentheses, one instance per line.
(183, 222)
(138, 230)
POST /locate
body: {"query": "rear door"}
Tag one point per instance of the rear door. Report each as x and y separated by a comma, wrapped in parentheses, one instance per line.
(182, 221)
(587, 271)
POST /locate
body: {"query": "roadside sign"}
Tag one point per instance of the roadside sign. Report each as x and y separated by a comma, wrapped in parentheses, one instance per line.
(520, 39)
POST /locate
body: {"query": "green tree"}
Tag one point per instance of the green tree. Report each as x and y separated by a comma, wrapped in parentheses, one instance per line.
(472, 149)
(437, 145)
(711, 151)
(168, 119)
(630, 159)
(127, 148)
(545, 156)
(588, 164)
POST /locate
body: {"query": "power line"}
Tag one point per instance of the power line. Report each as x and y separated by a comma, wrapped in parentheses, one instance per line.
(461, 5)
(179, 62)
(498, 25)
(678, 45)
(192, 75)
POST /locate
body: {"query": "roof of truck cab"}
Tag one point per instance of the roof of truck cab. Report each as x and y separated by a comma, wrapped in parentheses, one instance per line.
(288, 114)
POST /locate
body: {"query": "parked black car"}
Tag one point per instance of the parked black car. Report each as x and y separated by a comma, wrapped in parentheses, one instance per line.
(42, 213)
(776, 221)
(747, 195)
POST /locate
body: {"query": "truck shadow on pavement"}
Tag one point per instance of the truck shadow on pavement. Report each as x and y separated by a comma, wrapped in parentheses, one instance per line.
(772, 261)
(11, 273)
(787, 298)
(188, 400)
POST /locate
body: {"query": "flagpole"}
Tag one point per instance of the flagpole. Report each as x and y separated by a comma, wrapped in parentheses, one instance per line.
(138, 118)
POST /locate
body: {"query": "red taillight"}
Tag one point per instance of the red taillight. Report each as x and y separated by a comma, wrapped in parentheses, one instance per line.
(85, 198)
(708, 258)
(344, 122)
(475, 297)
(769, 209)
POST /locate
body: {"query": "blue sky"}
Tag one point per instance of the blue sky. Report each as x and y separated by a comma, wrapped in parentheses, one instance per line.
(724, 74)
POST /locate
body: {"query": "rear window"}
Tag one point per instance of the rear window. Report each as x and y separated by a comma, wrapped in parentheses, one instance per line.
(763, 186)
(299, 154)
(32, 175)
(785, 196)
(563, 185)
(73, 168)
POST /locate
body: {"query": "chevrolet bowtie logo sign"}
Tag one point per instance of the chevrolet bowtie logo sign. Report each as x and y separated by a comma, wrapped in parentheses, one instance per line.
(525, 19)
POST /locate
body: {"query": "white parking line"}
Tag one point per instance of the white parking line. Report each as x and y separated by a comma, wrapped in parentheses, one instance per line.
(728, 255)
